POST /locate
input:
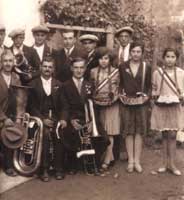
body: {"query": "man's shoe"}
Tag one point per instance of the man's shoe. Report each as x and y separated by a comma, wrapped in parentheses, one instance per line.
(45, 177)
(59, 176)
(11, 172)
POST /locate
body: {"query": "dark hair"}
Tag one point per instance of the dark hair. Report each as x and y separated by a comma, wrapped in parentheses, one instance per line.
(102, 51)
(77, 59)
(48, 58)
(176, 52)
(69, 31)
(137, 44)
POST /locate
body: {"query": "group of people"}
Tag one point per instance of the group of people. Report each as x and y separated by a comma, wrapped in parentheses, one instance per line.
(89, 90)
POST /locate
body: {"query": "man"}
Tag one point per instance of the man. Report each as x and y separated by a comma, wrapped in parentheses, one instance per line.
(89, 42)
(40, 34)
(124, 36)
(47, 102)
(77, 91)
(29, 69)
(8, 103)
(63, 57)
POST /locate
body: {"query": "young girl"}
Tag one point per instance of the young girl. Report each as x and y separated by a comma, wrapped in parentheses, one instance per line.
(135, 84)
(105, 98)
(167, 115)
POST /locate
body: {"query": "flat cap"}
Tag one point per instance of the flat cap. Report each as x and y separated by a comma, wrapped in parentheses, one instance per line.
(16, 32)
(40, 28)
(88, 37)
(126, 29)
(2, 27)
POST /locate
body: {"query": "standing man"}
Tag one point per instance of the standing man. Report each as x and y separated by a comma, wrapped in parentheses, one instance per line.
(64, 56)
(40, 34)
(124, 36)
(77, 91)
(90, 42)
(28, 68)
(8, 104)
(47, 102)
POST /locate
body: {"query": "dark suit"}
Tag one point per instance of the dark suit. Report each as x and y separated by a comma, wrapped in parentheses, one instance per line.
(63, 63)
(33, 60)
(8, 110)
(91, 62)
(76, 103)
(39, 105)
(46, 51)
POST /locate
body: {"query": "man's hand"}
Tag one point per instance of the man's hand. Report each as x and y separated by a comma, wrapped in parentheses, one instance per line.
(8, 122)
(75, 123)
(62, 124)
(48, 122)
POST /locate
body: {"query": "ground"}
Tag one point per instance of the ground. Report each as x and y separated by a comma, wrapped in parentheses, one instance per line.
(145, 186)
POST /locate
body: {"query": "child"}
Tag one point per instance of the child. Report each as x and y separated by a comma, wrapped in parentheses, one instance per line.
(135, 84)
(106, 98)
(167, 115)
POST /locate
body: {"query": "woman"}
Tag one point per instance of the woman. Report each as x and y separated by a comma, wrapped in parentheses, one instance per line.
(135, 84)
(167, 114)
(105, 98)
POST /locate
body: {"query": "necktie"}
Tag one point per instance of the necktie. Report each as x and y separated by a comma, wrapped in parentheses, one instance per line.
(79, 86)
(121, 60)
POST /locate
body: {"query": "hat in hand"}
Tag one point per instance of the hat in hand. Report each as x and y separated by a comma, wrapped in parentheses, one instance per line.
(14, 137)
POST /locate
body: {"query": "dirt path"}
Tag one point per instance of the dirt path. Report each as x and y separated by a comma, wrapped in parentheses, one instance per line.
(126, 187)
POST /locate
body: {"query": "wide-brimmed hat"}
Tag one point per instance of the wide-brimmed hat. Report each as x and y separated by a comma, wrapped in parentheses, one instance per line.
(91, 37)
(14, 137)
(40, 28)
(124, 29)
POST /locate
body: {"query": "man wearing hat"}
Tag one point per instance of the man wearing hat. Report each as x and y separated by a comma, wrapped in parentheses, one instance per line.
(89, 42)
(64, 56)
(47, 102)
(40, 34)
(31, 61)
(8, 103)
(124, 36)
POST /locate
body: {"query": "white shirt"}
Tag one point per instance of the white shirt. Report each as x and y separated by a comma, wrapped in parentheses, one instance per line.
(125, 52)
(69, 51)
(16, 50)
(39, 50)
(78, 83)
(7, 79)
(46, 85)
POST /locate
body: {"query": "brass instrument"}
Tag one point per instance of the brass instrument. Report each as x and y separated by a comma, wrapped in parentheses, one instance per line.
(22, 66)
(27, 159)
(87, 152)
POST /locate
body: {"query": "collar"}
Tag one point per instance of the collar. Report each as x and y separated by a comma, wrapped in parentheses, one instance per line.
(45, 80)
(69, 51)
(17, 50)
(39, 47)
(75, 80)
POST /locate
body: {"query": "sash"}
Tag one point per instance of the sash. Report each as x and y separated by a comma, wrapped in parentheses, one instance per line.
(105, 81)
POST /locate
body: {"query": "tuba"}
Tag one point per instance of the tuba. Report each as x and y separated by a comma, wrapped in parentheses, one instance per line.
(27, 158)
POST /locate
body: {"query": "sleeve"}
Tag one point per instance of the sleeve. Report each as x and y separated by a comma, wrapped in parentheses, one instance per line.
(63, 105)
(155, 83)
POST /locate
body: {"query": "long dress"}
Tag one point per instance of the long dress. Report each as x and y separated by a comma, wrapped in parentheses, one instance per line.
(109, 115)
(135, 118)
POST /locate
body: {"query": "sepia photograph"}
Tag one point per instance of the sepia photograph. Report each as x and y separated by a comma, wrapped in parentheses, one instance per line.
(91, 100)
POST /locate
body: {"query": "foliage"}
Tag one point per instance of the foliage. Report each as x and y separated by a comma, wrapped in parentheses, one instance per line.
(92, 13)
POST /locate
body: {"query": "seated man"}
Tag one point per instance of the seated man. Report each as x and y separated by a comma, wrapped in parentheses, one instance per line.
(77, 92)
(7, 104)
(48, 103)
